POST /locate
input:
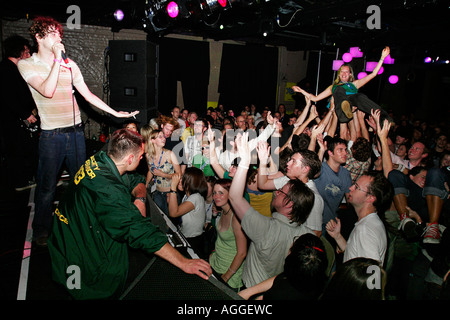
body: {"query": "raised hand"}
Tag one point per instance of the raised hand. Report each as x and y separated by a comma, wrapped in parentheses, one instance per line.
(263, 150)
(386, 51)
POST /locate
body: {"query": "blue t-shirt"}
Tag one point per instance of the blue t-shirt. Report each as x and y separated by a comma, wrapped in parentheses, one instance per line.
(332, 187)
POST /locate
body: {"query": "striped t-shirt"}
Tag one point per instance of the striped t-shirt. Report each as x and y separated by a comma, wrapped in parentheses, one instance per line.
(58, 111)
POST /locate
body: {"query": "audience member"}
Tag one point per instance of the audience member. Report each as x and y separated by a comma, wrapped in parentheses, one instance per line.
(357, 279)
(227, 259)
(369, 196)
(189, 131)
(334, 180)
(303, 165)
(192, 208)
(162, 165)
(272, 237)
(175, 112)
(303, 276)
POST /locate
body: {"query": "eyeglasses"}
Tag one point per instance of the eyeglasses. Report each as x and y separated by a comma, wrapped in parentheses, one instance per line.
(359, 188)
(279, 190)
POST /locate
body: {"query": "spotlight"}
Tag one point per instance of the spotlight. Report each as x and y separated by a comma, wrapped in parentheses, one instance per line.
(362, 75)
(356, 52)
(172, 9)
(370, 66)
(427, 60)
(393, 79)
(214, 6)
(119, 15)
(337, 64)
(347, 57)
(389, 60)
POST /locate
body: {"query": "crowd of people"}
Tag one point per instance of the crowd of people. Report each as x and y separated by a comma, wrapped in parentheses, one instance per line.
(348, 204)
(352, 186)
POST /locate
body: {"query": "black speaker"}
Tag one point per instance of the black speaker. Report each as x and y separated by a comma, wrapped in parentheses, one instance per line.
(133, 77)
(161, 280)
(157, 279)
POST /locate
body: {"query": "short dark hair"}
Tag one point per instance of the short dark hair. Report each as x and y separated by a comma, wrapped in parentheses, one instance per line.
(383, 191)
(124, 141)
(311, 159)
(15, 46)
(194, 181)
(332, 143)
(349, 282)
(284, 158)
(361, 149)
(302, 198)
(300, 142)
(306, 264)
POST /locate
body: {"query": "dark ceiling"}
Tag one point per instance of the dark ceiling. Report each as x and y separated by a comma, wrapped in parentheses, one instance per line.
(410, 28)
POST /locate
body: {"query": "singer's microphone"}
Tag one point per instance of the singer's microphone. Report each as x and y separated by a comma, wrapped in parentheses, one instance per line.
(63, 55)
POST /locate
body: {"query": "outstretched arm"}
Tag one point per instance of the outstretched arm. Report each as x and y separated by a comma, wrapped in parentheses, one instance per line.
(359, 83)
(382, 135)
(97, 102)
(324, 94)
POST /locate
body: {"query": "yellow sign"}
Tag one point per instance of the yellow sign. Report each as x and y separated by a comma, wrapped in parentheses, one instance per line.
(288, 93)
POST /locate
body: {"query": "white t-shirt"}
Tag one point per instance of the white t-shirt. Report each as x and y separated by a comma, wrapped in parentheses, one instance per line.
(367, 239)
(193, 222)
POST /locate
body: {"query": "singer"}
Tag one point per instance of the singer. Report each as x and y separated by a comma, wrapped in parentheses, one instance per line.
(51, 81)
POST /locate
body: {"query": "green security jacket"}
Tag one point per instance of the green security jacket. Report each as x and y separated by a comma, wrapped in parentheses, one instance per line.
(94, 224)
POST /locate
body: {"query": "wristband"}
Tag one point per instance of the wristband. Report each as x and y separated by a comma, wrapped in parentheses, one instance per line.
(143, 199)
(171, 191)
(59, 61)
(232, 270)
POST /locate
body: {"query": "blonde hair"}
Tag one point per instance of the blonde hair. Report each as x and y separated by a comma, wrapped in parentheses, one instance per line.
(338, 77)
(149, 146)
(146, 130)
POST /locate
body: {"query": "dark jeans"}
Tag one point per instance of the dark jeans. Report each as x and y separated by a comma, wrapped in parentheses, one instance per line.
(359, 100)
(64, 145)
(160, 199)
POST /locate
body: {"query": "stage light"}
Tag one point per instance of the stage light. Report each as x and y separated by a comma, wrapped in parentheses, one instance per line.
(388, 60)
(362, 75)
(356, 52)
(214, 6)
(427, 60)
(370, 66)
(393, 79)
(337, 64)
(347, 57)
(172, 9)
(119, 15)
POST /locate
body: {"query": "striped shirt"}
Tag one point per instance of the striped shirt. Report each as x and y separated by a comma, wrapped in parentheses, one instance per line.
(58, 111)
